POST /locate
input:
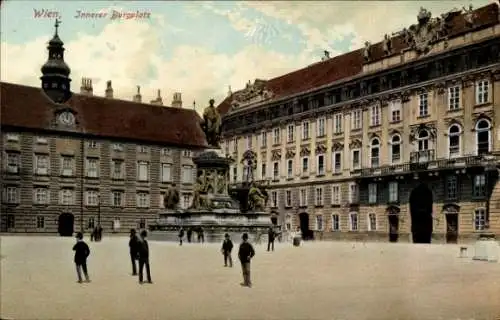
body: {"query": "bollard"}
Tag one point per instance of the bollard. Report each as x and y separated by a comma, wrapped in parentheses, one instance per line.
(463, 252)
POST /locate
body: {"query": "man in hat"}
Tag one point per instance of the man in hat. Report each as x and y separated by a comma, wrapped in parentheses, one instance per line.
(144, 257)
(245, 254)
(134, 250)
(227, 247)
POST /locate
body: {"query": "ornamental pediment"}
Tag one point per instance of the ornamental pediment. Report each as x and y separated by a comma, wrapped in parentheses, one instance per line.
(253, 93)
(305, 151)
(320, 148)
(275, 155)
(290, 153)
(337, 146)
(355, 144)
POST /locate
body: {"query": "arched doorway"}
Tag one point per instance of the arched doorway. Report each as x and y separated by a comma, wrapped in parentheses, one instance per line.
(304, 225)
(421, 200)
(66, 224)
(393, 218)
(451, 214)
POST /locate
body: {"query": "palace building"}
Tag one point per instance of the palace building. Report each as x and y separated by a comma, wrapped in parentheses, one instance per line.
(73, 161)
(397, 141)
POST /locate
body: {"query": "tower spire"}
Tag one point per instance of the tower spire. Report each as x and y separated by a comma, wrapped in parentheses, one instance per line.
(56, 25)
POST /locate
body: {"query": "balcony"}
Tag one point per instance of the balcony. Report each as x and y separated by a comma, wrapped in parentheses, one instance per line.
(423, 161)
(422, 156)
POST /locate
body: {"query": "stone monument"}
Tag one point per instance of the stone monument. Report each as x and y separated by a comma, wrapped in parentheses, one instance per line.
(213, 209)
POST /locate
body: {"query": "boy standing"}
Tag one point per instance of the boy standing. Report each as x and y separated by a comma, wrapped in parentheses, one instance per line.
(227, 247)
(82, 251)
(144, 257)
(134, 250)
(245, 254)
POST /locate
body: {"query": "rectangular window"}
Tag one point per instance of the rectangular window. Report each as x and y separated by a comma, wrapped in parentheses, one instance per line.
(305, 130)
(353, 193)
(92, 167)
(91, 224)
(142, 171)
(187, 174)
(319, 196)
(276, 136)
(479, 219)
(263, 139)
(372, 222)
(319, 223)
(142, 200)
(91, 198)
(393, 191)
(274, 199)
(67, 197)
(356, 159)
(41, 140)
(13, 162)
(356, 119)
(372, 193)
(305, 165)
(67, 166)
(288, 198)
(320, 123)
(12, 137)
(453, 98)
(353, 221)
(303, 197)
(40, 222)
(117, 198)
(423, 104)
(375, 115)
(235, 174)
(166, 172)
(235, 145)
(482, 91)
(41, 165)
(479, 188)
(321, 164)
(187, 154)
(117, 169)
(290, 133)
(395, 107)
(289, 168)
(41, 196)
(142, 149)
(337, 123)
(276, 170)
(186, 200)
(335, 194)
(263, 171)
(335, 222)
(11, 221)
(249, 142)
(92, 144)
(451, 187)
(167, 152)
(337, 162)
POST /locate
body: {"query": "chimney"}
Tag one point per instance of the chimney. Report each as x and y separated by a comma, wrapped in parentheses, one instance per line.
(229, 92)
(138, 97)
(158, 101)
(177, 101)
(109, 90)
(86, 87)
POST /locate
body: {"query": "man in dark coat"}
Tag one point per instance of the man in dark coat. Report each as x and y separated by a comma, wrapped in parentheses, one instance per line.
(245, 254)
(144, 257)
(270, 239)
(189, 234)
(82, 251)
(227, 247)
(181, 235)
(134, 250)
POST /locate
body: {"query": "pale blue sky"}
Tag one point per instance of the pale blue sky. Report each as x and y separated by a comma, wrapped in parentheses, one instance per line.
(197, 48)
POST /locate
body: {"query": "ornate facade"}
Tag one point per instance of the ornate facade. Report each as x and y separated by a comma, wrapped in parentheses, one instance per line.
(399, 140)
(73, 161)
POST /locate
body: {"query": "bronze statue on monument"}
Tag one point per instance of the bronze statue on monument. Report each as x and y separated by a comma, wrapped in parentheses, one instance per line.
(211, 125)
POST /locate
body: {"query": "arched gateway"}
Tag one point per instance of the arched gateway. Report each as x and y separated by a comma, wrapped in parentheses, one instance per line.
(66, 224)
(421, 201)
(304, 225)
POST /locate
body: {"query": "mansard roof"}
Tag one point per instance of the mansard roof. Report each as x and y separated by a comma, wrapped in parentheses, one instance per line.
(351, 64)
(30, 108)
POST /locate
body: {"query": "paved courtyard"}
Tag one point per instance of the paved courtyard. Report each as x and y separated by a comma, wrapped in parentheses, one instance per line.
(319, 280)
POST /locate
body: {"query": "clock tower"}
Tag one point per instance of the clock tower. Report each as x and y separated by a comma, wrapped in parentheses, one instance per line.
(55, 72)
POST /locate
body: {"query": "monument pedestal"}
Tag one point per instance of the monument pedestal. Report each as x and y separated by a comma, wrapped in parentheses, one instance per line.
(487, 248)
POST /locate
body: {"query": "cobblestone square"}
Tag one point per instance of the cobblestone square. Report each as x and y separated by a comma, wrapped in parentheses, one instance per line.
(318, 280)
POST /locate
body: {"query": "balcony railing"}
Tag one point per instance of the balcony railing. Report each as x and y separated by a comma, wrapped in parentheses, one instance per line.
(422, 156)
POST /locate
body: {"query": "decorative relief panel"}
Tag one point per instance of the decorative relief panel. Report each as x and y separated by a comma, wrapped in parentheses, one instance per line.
(487, 114)
(263, 156)
(276, 155)
(320, 148)
(337, 146)
(415, 130)
(355, 144)
(290, 153)
(305, 151)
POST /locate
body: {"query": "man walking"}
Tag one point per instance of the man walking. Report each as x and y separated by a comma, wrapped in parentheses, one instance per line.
(82, 251)
(134, 250)
(270, 238)
(227, 247)
(144, 257)
(245, 254)
(181, 235)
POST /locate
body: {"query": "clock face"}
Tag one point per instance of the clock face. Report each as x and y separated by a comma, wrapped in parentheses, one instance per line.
(67, 118)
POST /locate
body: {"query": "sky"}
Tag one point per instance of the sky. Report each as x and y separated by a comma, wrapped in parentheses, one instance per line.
(198, 48)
